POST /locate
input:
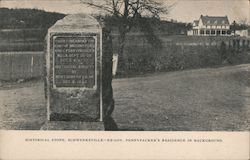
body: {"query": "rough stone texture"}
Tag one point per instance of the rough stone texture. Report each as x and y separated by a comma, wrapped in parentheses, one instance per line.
(76, 22)
(79, 104)
(62, 125)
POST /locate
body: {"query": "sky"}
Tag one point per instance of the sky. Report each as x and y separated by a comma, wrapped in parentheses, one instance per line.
(182, 11)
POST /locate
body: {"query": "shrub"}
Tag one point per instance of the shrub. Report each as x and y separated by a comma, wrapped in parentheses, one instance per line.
(144, 59)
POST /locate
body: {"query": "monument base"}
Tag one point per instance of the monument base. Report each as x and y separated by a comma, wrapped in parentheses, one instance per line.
(65, 125)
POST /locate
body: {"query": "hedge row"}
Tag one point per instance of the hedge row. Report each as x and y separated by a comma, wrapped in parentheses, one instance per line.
(142, 60)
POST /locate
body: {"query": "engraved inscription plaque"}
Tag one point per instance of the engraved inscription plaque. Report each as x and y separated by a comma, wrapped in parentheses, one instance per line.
(74, 61)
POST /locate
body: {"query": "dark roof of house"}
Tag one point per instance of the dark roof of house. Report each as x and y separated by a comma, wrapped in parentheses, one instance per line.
(210, 20)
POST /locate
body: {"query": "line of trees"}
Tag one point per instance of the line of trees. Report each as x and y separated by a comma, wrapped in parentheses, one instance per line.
(27, 18)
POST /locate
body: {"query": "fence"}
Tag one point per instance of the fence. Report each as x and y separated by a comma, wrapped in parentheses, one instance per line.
(20, 65)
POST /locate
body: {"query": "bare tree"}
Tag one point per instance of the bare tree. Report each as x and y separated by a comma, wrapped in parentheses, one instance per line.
(125, 14)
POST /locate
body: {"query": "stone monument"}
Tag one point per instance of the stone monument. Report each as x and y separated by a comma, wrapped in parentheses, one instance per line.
(78, 74)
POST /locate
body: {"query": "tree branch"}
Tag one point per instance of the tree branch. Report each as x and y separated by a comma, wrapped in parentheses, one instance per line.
(104, 7)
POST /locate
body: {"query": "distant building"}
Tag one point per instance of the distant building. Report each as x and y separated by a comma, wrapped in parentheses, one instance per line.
(211, 26)
(242, 33)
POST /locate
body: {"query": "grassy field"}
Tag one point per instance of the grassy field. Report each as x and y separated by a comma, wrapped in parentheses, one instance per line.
(22, 39)
(194, 100)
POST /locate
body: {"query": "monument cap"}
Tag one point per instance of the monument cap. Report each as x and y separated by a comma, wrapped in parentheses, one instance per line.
(75, 22)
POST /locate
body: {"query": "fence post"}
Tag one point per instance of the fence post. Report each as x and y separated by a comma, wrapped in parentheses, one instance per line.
(31, 66)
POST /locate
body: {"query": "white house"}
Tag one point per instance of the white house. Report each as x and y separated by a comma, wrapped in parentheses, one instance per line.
(242, 33)
(211, 26)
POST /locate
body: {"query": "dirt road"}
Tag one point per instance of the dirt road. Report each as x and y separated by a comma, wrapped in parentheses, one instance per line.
(195, 100)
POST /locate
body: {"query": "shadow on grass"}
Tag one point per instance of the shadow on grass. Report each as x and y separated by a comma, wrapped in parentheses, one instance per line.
(110, 125)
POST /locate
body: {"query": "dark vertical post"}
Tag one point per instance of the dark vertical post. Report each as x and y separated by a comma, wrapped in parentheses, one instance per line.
(108, 101)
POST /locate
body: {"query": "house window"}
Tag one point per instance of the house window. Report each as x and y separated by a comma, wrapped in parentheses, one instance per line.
(202, 32)
(213, 32)
(228, 32)
(218, 32)
(207, 31)
(223, 32)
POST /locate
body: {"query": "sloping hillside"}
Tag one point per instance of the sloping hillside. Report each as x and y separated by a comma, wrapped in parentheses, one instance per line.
(25, 29)
(27, 18)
